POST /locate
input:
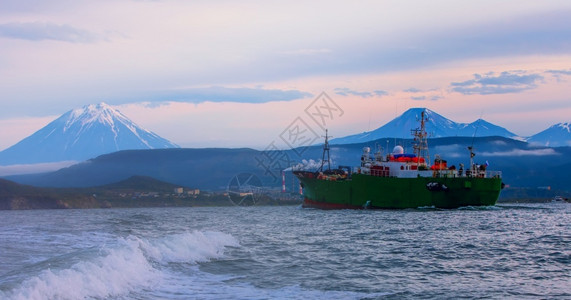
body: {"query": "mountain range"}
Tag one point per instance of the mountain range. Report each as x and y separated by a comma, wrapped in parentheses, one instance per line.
(94, 130)
(558, 135)
(81, 134)
(436, 126)
(113, 148)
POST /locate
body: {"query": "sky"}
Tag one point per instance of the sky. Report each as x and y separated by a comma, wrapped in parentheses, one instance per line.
(249, 73)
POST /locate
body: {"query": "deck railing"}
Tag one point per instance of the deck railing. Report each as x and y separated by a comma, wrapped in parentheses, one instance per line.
(468, 173)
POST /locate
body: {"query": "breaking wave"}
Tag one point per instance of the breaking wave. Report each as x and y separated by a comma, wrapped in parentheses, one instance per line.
(163, 268)
(131, 265)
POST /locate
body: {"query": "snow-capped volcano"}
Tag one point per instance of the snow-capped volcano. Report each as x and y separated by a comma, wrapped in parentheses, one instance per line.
(555, 136)
(436, 126)
(81, 134)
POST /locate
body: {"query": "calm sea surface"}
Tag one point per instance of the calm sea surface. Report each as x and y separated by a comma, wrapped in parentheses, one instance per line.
(509, 251)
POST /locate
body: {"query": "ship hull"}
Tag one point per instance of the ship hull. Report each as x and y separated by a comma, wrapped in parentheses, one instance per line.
(365, 191)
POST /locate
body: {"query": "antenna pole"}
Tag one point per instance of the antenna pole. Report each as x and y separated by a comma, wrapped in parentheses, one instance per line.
(420, 143)
(326, 149)
(471, 148)
(472, 154)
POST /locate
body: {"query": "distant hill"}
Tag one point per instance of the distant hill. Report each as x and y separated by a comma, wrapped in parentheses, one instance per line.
(19, 196)
(436, 125)
(8, 187)
(136, 191)
(555, 136)
(209, 168)
(81, 134)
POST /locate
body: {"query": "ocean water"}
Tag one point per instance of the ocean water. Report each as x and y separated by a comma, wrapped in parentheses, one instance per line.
(508, 251)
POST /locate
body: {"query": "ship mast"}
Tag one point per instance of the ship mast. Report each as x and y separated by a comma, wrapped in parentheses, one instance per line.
(471, 149)
(472, 154)
(420, 144)
(325, 149)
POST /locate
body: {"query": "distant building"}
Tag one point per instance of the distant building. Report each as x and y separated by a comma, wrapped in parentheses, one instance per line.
(193, 192)
(178, 190)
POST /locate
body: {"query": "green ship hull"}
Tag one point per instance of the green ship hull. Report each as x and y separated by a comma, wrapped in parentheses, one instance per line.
(365, 191)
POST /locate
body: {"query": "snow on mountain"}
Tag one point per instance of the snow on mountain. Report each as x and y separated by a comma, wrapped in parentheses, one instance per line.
(555, 136)
(81, 134)
(436, 126)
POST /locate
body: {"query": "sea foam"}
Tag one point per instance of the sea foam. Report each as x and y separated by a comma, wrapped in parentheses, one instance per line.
(133, 264)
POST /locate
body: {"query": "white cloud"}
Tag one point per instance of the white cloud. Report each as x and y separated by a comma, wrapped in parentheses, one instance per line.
(499, 142)
(521, 152)
(348, 91)
(39, 31)
(34, 168)
(503, 83)
(307, 51)
(451, 151)
(226, 94)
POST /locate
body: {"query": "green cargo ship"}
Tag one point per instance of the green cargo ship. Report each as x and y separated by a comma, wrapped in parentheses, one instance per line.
(400, 180)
